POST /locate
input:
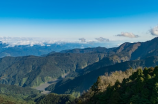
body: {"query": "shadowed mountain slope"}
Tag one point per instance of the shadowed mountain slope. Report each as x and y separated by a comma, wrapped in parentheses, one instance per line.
(145, 49)
(83, 83)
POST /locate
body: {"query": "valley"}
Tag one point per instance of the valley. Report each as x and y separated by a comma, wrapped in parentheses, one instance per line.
(42, 86)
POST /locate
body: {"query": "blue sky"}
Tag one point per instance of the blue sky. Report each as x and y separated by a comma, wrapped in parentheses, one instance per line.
(116, 20)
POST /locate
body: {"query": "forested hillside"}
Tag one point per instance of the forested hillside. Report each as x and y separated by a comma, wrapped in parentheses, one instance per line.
(83, 82)
(12, 94)
(33, 70)
(129, 87)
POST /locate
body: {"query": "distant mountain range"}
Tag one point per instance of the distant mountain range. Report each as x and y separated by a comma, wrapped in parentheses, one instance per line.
(37, 50)
(80, 67)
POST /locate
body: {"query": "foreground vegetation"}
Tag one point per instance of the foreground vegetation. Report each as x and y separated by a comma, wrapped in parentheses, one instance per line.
(133, 86)
(56, 99)
(141, 87)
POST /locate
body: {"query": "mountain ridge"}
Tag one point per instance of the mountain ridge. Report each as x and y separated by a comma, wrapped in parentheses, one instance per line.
(32, 71)
(83, 82)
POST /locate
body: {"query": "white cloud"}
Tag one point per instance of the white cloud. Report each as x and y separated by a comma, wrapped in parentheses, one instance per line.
(127, 34)
(14, 41)
(82, 39)
(154, 31)
(31, 41)
(101, 39)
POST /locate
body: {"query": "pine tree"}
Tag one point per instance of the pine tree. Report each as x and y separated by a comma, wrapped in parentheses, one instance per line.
(96, 86)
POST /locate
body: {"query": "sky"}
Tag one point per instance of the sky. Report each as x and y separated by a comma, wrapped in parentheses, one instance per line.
(79, 20)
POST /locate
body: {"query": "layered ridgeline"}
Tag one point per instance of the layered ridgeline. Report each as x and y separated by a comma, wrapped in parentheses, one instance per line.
(132, 51)
(32, 70)
(82, 83)
(77, 65)
(37, 50)
(129, 87)
(125, 52)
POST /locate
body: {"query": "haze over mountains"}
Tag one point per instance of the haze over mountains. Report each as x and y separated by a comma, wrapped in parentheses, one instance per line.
(10, 46)
(75, 70)
(37, 50)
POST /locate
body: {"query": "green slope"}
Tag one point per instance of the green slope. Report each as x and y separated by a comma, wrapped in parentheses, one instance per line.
(33, 70)
(84, 82)
(18, 95)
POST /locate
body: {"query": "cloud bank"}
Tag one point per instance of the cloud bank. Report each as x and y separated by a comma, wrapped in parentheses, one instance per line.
(15, 41)
(31, 41)
(82, 39)
(154, 31)
(127, 34)
(101, 39)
